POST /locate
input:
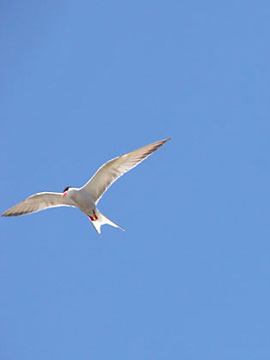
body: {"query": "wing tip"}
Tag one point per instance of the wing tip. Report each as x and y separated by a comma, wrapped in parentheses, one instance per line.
(161, 142)
(8, 214)
(5, 214)
(154, 146)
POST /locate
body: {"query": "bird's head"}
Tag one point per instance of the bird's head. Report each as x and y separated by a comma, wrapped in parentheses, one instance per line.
(65, 191)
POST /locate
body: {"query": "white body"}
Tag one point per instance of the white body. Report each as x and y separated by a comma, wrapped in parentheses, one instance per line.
(82, 200)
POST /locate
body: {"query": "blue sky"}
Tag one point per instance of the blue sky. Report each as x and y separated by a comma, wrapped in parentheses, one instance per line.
(85, 81)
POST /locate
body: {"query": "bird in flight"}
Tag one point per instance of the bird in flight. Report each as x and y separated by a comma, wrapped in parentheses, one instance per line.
(87, 197)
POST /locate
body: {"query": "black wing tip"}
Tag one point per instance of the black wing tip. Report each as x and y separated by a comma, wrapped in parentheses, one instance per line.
(165, 140)
(5, 213)
(11, 213)
(8, 215)
(161, 142)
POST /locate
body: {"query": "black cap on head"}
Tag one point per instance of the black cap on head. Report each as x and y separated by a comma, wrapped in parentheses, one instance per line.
(66, 188)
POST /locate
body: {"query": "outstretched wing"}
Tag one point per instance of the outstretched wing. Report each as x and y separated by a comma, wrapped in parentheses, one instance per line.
(38, 202)
(113, 169)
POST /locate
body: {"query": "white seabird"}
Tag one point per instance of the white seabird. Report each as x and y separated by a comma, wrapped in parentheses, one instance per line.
(87, 197)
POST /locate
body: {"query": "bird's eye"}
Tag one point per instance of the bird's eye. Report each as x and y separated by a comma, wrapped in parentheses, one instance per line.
(66, 189)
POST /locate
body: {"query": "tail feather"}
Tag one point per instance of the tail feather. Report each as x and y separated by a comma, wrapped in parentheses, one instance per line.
(102, 220)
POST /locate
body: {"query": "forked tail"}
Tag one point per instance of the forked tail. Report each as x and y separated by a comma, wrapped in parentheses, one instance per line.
(98, 219)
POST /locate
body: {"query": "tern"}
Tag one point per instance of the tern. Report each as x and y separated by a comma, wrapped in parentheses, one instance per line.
(87, 197)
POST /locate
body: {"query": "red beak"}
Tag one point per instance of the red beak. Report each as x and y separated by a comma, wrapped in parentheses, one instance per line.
(64, 194)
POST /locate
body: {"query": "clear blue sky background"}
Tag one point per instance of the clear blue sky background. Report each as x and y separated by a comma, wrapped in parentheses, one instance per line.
(85, 81)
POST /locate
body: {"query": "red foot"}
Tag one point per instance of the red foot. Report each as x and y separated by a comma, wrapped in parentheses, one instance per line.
(95, 215)
(93, 218)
